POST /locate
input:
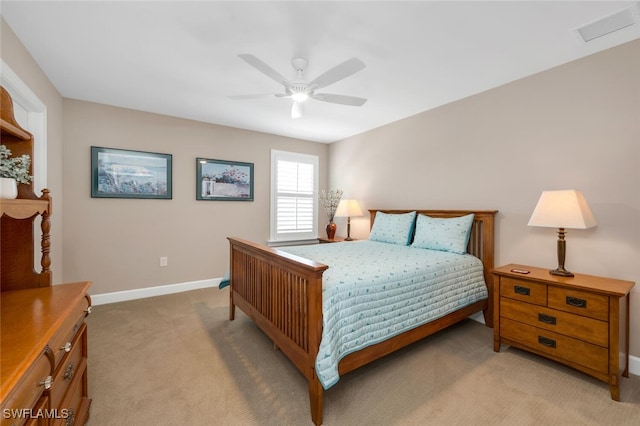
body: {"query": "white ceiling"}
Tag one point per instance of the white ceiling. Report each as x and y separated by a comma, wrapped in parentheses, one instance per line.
(180, 58)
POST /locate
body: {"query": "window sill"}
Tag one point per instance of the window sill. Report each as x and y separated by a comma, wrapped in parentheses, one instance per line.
(292, 242)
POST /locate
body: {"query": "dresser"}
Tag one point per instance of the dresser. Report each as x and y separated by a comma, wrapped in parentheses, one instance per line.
(44, 355)
(580, 321)
(43, 360)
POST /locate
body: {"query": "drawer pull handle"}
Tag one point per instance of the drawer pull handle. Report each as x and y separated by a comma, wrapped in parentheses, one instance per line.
(66, 347)
(71, 418)
(68, 373)
(88, 310)
(47, 382)
(550, 343)
(576, 302)
(547, 319)
(522, 290)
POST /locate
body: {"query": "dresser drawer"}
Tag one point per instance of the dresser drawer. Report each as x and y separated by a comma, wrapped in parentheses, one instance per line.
(43, 404)
(68, 369)
(590, 330)
(75, 405)
(579, 302)
(65, 334)
(557, 345)
(527, 291)
(27, 392)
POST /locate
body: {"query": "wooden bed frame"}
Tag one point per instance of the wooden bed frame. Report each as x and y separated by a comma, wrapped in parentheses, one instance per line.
(282, 294)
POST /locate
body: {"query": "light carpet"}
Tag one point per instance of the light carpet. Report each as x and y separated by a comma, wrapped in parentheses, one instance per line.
(178, 360)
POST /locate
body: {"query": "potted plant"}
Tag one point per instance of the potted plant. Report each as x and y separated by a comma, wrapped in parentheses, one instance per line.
(13, 170)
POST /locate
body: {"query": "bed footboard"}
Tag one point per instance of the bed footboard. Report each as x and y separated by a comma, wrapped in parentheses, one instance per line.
(282, 294)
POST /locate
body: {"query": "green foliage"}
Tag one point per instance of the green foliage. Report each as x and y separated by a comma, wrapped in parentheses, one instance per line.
(14, 167)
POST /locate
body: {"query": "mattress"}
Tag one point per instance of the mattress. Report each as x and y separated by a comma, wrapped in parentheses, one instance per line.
(373, 291)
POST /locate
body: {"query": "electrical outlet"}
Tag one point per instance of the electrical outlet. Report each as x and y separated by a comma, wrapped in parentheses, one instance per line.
(164, 261)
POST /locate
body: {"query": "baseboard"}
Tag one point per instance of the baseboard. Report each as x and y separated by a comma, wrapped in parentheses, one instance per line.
(634, 365)
(141, 293)
(478, 316)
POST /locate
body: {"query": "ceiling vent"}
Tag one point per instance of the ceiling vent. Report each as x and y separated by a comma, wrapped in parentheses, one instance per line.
(612, 23)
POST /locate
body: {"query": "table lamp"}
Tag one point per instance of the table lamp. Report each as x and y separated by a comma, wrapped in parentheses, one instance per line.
(348, 208)
(562, 209)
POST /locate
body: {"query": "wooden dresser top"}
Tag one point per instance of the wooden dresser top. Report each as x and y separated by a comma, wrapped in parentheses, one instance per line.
(604, 285)
(28, 320)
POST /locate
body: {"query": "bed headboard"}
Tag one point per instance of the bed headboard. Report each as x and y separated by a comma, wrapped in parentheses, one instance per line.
(481, 240)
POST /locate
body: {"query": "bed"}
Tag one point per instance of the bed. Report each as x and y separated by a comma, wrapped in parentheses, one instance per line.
(281, 290)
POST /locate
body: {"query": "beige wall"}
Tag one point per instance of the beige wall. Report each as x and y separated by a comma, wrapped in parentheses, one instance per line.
(20, 61)
(573, 127)
(118, 243)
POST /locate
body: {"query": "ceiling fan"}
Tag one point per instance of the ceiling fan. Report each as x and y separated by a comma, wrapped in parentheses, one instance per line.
(300, 90)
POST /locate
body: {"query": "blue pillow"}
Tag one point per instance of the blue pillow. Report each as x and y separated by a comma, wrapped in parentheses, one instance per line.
(393, 228)
(444, 234)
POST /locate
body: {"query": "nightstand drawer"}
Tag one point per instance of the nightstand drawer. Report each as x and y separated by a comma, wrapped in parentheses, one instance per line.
(524, 290)
(557, 345)
(579, 302)
(590, 330)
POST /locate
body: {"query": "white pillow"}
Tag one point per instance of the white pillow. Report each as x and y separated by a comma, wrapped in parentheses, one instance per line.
(444, 234)
(393, 228)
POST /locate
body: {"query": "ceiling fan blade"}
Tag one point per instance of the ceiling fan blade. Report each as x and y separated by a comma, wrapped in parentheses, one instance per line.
(264, 68)
(339, 99)
(337, 73)
(255, 96)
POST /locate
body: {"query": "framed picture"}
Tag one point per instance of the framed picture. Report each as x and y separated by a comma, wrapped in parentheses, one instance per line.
(220, 180)
(121, 173)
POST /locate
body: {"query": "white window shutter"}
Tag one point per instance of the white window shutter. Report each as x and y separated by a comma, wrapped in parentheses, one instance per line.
(293, 201)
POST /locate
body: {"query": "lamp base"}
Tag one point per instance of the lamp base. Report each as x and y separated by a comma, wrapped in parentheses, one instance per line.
(562, 249)
(348, 230)
(560, 271)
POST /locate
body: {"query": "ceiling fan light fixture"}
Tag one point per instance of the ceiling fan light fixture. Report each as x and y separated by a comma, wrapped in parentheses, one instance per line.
(299, 96)
(300, 90)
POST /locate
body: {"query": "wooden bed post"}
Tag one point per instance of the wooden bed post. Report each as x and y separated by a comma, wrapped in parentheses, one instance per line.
(314, 303)
(232, 306)
(315, 399)
(487, 256)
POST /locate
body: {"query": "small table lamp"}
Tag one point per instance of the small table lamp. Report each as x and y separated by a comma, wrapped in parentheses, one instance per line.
(348, 208)
(562, 209)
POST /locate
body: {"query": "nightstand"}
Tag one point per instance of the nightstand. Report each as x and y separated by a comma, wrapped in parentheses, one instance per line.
(580, 321)
(335, 240)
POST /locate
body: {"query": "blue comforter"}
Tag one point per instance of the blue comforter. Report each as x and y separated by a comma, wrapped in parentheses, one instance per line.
(373, 291)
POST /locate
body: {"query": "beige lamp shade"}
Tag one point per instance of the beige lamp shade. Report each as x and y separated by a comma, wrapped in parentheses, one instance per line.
(348, 208)
(562, 209)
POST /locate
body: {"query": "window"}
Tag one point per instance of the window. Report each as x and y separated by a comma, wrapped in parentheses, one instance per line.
(294, 183)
